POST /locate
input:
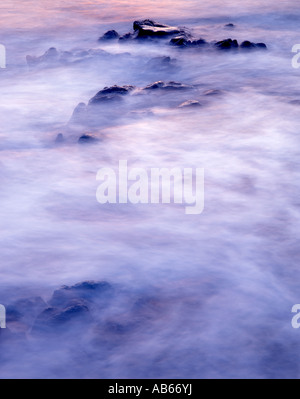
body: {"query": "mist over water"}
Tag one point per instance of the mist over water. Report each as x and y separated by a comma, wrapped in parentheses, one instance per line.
(206, 296)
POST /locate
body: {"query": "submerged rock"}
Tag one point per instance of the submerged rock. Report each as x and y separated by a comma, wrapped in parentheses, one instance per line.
(89, 290)
(50, 56)
(25, 309)
(53, 57)
(52, 320)
(111, 94)
(250, 46)
(213, 92)
(110, 35)
(59, 139)
(161, 61)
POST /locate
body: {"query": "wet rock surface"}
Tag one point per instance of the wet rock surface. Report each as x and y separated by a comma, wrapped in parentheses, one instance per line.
(111, 94)
(149, 29)
(115, 104)
(178, 37)
(227, 44)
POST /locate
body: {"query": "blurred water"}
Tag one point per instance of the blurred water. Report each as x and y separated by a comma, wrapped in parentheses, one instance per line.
(226, 279)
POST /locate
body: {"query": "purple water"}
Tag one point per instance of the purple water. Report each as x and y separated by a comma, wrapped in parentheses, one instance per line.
(193, 296)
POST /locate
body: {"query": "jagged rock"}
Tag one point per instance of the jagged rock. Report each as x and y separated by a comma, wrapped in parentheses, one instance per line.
(110, 35)
(87, 139)
(227, 44)
(111, 94)
(160, 85)
(147, 28)
(250, 46)
(190, 104)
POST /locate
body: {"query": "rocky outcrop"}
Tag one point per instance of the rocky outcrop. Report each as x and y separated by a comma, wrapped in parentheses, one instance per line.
(227, 44)
(230, 44)
(252, 46)
(109, 94)
(150, 29)
(110, 35)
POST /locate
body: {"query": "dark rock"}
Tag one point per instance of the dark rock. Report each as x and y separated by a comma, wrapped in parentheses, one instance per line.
(183, 41)
(180, 41)
(227, 44)
(250, 46)
(87, 139)
(147, 28)
(230, 26)
(200, 42)
(110, 35)
(111, 94)
(160, 85)
(190, 104)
